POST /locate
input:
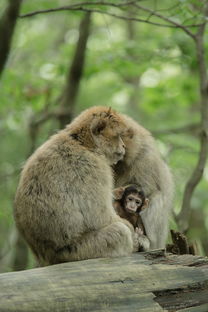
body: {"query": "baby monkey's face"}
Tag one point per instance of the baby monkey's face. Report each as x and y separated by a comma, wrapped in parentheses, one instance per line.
(133, 203)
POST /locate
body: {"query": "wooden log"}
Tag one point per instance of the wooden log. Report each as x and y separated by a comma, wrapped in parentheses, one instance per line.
(141, 282)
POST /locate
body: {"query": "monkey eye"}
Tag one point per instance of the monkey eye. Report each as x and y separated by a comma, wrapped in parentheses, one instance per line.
(138, 202)
(130, 198)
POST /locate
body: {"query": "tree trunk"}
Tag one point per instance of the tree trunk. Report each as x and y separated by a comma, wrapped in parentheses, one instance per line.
(183, 218)
(7, 26)
(74, 76)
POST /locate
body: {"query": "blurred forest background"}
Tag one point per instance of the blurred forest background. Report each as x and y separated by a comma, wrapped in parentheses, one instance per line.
(144, 58)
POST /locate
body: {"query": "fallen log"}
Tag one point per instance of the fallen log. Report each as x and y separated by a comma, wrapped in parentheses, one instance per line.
(151, 281)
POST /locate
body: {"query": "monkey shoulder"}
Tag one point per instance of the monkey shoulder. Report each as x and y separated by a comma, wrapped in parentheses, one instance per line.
(60, 165)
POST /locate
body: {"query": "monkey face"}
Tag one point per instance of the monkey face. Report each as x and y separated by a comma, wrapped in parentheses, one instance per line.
(133, 203)
(107, 136)
(115, 149)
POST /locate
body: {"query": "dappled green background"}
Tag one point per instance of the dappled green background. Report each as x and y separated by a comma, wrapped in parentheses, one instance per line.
(152, 77)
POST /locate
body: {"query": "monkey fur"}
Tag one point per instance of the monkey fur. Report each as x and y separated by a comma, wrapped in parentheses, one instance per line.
(143, 165)
(119, 203)
(138, 202)
(63, 204)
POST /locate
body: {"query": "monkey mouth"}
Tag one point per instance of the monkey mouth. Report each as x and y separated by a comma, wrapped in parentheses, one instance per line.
(132, 210)
(119, 158)
(116, 161)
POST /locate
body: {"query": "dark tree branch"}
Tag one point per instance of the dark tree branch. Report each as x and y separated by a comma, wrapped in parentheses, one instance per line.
(7, 26)
(183, 217)
(74, 76)
(80, 7)
(164, 18)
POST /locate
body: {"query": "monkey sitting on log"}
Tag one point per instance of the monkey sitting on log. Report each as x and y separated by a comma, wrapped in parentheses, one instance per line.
(63, 204)
(129, 201)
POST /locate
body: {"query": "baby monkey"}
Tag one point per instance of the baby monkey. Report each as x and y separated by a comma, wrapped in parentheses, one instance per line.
(128, 202)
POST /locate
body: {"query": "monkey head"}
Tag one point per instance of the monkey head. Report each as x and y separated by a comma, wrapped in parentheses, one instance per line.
(131, 198)
(103, 131)
(108, 131)
(133, 203)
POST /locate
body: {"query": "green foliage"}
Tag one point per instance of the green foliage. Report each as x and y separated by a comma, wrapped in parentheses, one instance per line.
(158, 67)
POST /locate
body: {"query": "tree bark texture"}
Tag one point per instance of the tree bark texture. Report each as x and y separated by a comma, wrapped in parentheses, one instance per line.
(153, 281)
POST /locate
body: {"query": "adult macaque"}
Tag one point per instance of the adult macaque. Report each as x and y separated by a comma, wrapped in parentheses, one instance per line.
(142, 165)
(129, 201)
(63, 204)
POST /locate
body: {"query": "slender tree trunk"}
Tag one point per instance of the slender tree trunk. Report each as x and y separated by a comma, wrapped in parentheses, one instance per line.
(7, 26)
(134, 81)
(183, 218)
(75, 73)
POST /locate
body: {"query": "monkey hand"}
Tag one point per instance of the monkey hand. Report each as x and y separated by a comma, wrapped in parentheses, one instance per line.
(144, 243)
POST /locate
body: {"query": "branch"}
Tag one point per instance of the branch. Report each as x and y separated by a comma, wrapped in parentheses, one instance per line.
(79, 7)
(83, 9)
(7, 26)
(164, 18)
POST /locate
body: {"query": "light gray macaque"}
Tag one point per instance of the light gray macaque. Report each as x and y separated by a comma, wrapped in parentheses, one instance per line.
(143, 165)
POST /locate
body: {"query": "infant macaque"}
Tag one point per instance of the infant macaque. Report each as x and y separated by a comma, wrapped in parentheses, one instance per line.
(128, 202)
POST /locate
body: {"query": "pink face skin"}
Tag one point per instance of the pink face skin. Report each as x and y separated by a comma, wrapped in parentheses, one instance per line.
(133, 203)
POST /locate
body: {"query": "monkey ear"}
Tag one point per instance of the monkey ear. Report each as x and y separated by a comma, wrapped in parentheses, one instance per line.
(118, 193)
(146, 204)
(109, 111)
(97, 126)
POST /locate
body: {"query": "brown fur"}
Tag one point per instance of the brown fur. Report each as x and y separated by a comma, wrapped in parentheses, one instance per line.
(63, 204)
(119, 203)
(134, 218)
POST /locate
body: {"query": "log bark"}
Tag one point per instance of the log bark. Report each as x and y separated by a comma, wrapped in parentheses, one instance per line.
(153, 281)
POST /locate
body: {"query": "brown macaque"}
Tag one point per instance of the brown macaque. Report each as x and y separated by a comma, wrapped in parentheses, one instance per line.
(129, 201)
(63, 204)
